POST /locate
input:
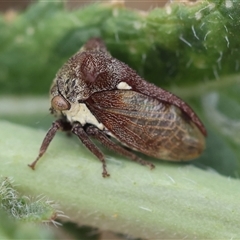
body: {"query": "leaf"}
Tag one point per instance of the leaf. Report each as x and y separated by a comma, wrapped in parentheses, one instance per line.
(183, 43)
(25, 208)
(11, 229)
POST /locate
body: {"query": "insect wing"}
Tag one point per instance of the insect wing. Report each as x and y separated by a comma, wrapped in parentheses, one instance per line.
(147, 125)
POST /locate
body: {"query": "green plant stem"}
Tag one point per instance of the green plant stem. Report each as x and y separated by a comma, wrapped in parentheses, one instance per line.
(172, 201)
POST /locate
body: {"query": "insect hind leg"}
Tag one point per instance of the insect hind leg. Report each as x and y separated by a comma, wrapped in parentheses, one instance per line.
(106, 141)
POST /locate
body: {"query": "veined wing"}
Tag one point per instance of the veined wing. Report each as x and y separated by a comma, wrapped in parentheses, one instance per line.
(147, 125)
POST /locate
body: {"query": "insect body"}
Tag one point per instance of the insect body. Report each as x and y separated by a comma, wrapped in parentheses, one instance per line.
(97, 95)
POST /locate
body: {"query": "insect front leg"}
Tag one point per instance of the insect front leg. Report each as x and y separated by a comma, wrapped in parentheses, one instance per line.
(58, 124)
(104, 139)
(83, 136)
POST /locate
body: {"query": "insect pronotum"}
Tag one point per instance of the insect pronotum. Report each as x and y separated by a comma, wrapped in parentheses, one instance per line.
(96, 95)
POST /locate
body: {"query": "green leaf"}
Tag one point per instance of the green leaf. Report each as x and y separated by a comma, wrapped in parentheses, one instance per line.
(12, 229)
(26, 208)
(181, 44)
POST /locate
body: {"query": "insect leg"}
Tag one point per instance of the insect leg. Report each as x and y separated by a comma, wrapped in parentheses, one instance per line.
(83, 136)
(47, 140)
(103, 138)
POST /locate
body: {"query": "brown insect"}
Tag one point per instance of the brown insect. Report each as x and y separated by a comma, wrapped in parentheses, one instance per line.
(96, 95)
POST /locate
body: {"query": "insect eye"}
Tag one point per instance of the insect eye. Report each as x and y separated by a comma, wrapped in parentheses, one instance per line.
(59, 103)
